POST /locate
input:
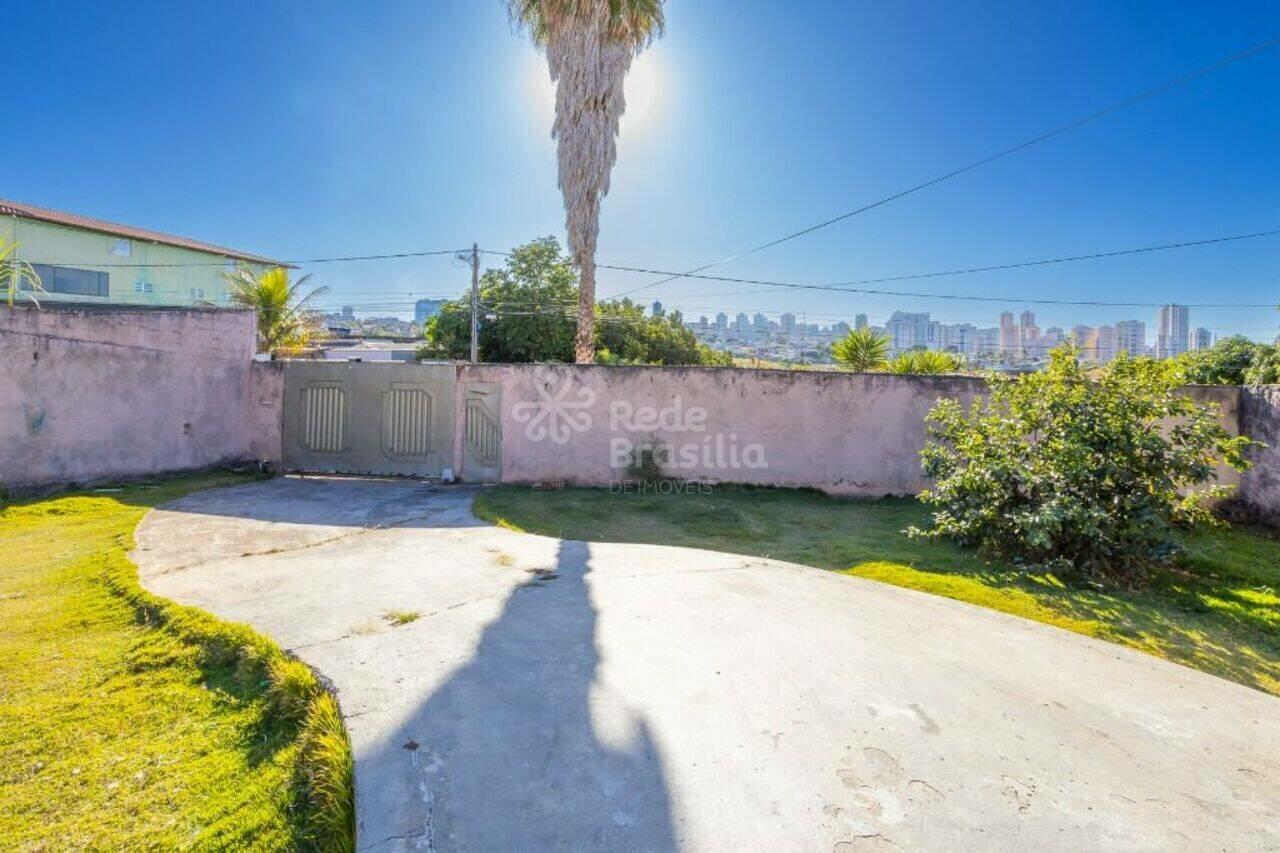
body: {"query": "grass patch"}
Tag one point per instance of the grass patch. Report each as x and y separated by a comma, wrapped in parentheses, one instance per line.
(1219, 612)
(131, 722)
(401, 617)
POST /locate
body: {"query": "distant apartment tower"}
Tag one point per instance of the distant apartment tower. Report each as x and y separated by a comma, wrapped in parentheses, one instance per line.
(1100, 346)
(907, 331)
(1175, 331)
(787, 322)
(1009, 342)
(1131, 337)
(860, 321)
(1201, 338)
(760, 323)
(989, 340)
(348, 313)
(840, 329)
(722, 321)
(657, 309)
(425, 309)
(742, 323)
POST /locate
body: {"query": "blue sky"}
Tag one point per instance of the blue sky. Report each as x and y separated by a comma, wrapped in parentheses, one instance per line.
(305, 130)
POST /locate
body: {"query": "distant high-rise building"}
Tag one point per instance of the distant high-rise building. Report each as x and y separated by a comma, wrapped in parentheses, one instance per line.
(860, 321)
(1175, 331)
(760, 323)
(1201, 338)
(722, 321)
(348, 313)
(907, 330)
(840, 329)
(1101, 345)
(742, 323)
(657, 308)
(1009, 339)
(1131, 337)
(702, 322)
(425, 309)
(788, 323)
(1052, 337)
(989, 340)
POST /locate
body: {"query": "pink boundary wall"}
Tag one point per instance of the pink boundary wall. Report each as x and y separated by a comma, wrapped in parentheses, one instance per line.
(843, 433)
(90, 393)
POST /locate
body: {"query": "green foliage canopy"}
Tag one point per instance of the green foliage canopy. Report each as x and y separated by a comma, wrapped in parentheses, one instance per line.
(527, 315)
(864, 350)
(1083, 476)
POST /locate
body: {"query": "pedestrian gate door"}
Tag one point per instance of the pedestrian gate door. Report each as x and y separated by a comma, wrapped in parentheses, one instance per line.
(368, 418)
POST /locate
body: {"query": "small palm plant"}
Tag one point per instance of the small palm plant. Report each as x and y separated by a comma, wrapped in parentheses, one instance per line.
(924, 361)
(863, 350)
(285, 319)
(16, 276)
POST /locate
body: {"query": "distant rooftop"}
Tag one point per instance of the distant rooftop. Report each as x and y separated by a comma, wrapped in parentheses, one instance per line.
(74, 220)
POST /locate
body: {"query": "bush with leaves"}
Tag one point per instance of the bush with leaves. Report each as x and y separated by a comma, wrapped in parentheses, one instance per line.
(924, 361)
(1225, 363)
(863, 350)
(1083, 476)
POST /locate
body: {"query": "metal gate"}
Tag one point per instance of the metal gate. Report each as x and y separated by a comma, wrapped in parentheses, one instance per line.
(368, 418)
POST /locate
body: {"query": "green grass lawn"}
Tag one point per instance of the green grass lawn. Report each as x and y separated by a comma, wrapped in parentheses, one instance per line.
(130, 723)
(1220, 612)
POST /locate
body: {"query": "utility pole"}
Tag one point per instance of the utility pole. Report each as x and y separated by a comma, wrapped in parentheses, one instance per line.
(475, 303)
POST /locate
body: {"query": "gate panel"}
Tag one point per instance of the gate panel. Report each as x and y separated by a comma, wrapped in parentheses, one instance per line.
(482, 438)
(368, 418)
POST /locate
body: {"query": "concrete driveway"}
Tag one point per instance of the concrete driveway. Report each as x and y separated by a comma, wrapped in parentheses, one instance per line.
(558, 695)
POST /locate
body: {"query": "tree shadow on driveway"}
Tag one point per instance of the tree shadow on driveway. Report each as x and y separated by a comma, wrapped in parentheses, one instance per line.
(506, 755)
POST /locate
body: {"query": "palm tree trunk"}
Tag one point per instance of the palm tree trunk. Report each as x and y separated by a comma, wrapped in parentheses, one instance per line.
(584, 344)
(589, 69)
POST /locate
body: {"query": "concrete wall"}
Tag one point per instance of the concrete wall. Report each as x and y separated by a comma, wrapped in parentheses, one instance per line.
(857, 434)
(96, 393)
(1260, 420)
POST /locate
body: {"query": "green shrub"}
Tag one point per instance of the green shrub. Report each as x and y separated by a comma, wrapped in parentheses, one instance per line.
(1079, 475)
(924, 362)
(863, 350)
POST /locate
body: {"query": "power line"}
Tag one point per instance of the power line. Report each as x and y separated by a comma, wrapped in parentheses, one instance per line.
(1102, 113)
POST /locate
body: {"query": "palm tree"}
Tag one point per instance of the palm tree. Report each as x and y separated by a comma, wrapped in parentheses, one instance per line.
(16, 276)
(590, 45)
(924, 361)
(863, 350)
(285, 320)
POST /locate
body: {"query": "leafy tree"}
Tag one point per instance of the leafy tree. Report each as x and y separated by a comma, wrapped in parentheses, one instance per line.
(525, 310)
(864, 350)
(924, 361)
(526, 316)
(1265, 369)
(1080, 475)
(1225, 363)
(285, 318)
(590, 45)
(16, 277)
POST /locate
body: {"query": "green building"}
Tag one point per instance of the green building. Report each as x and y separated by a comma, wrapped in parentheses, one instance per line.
(89, 260)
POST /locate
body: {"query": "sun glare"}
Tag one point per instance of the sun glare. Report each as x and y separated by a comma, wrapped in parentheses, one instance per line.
(643, 87)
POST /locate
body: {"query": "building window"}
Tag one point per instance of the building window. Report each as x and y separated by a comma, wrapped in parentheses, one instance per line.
(197, 293)
(72, 281)
(142, 286)
(121, 247)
